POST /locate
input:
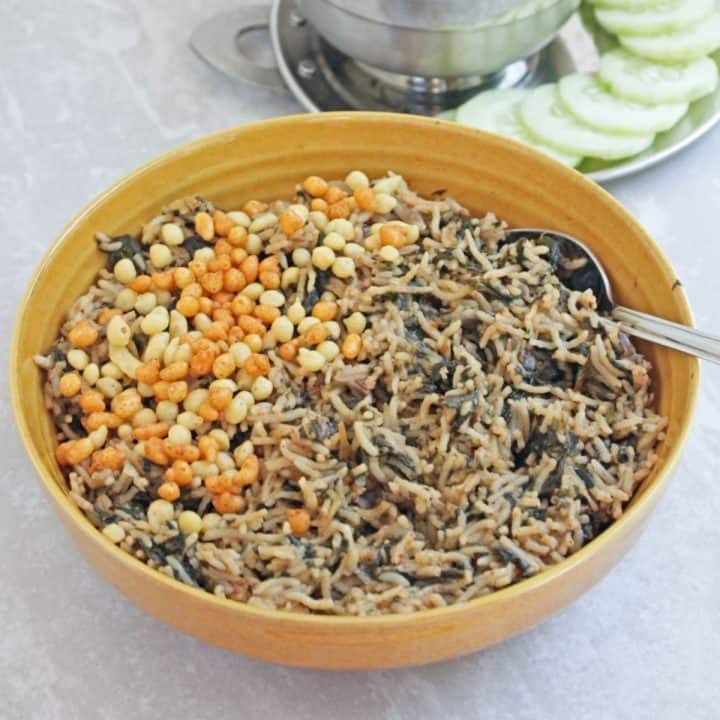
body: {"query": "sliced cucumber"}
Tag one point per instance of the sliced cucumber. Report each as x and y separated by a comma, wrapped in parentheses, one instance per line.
(587, 101)
(548, 122)
(626, 4)
(668, 17)
(497, 111)
(681, 46)
(635, 78)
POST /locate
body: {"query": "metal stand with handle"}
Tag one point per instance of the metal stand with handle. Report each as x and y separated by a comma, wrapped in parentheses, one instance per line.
(218, 41)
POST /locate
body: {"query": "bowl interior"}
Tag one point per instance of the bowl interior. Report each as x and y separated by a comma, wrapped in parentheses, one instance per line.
(266, 160)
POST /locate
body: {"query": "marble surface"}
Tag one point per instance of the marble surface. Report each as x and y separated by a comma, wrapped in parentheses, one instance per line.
(88, 90)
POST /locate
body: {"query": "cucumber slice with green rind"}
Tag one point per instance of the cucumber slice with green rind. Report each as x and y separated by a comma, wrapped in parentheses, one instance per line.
(548, 122)
(681, 46)
(669, 17)
(587, 101)
(645, 81)
(497, 111)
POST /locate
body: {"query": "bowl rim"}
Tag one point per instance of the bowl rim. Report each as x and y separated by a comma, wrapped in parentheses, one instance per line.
(73, 514)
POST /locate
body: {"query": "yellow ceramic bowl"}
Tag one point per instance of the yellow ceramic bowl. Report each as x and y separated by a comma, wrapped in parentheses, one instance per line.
(265, 160)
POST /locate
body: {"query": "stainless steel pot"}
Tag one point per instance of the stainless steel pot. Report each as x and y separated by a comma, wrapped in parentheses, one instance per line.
(394, 67)
(438, 38)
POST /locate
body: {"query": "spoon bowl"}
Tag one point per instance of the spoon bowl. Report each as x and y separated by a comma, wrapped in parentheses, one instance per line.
(579, 269)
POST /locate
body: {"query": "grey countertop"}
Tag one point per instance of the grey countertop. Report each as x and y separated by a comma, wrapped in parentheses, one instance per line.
(88, 90)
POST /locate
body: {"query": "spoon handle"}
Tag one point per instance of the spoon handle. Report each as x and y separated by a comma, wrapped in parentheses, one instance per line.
(670, 334)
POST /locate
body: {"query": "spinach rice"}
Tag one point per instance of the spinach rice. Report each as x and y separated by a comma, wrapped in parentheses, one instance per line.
(490, 423)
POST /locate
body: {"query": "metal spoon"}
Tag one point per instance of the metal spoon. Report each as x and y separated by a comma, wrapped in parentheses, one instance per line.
(591, 274)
